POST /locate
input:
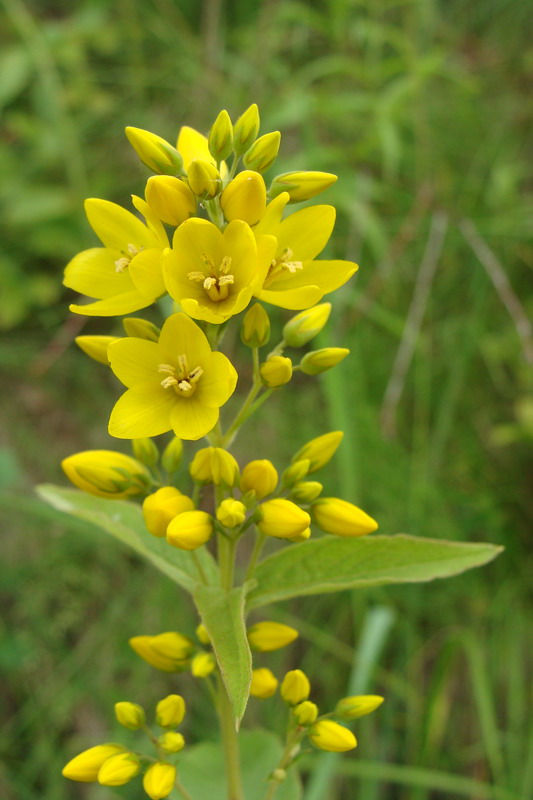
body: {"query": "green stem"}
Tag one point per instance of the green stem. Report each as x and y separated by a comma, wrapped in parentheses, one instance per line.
(230, 742)
(242, 415)
(199, 567)
(260, 539)
(182, 790)
(285, 762)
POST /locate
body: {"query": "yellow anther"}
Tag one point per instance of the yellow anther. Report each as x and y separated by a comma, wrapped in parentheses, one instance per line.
(196, 276)
(225, 265)
(166, 383)
(184, 386)
(292, 266)
(195, 374)
(121, 264)
(183, 365)
(168, 368)
(208, 262)
(225, 279)
(209, 283)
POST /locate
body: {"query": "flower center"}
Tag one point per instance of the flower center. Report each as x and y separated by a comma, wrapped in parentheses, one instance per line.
(131, 251)
(284, 261)
(217, 281)
(180, 378)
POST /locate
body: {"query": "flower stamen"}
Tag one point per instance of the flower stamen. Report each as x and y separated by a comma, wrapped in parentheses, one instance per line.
(183, 380)
(122, 263)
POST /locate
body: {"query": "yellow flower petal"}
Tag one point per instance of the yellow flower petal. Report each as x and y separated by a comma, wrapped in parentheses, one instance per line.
(111, 306)
(146, 273)
(271, 219)
(292, 299)
(191, 420)
(192, 144)
(328, 275)
(266, 252)
(152, 221)
(116, 227)
(142, 413)
(193, 308)
(135, 362)
(218, 382)
(306, 232)
(180, 335)
(193, 240)
(240, 246)
(94, 273)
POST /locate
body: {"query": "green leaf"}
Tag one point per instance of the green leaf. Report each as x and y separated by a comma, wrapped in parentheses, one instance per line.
(201, 768)
(330, 564)
(124, 521)
(222, 613)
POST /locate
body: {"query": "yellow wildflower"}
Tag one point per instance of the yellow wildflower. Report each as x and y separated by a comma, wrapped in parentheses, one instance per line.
(328, 735)
(171, 742)
(306, 712)
(244, 197)
(267, 636)
(259, 476)
(170, 198)
(130, 715)
(264, 683)
(357, 705)
(119, 769)
(203, 665)
(276, 371)
(159, 779)
(190, 530)
(282, 519)
(295, 687)
(107, 473)
(159, 652)
(170, 711)
(342, 518)
(96, 346)
(86, 765)
(160, 508)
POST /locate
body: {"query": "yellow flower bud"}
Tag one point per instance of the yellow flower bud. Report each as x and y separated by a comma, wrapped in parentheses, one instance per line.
(155, 152)
(264, 683)
(301, 537)
(267, 636)
(282, 519)
(130, 715)
(259, 476)
(202, 634)
(320, 450)
(214, 465)
(357, 706)
(170, 199)
(245, 130)
(231, 512)
(190, 530)
(255, 330)
(141, 328)
(86, 765)
(107, 473)
(342, 518)
(244, 198)
(171, 742)
(263, 152)
(320, 360)
(145, 451)
(96, 346)
(119, 769)
(295, 473)
(172, 645)
(204, 178)
(301, 185)
(170, 711)
(221, 137)
(159, 780)
(160, 508)
(304, 326)
(276, 371)
(172, 455)
(203, 665)
(143, 647)
(305, 713)
(306, 491)
(295, 687)
(328, 735)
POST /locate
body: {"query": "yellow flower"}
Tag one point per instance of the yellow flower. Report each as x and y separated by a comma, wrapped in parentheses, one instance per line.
(318, 361)
(170, 711)
(255, 329)
(214, 465)
(125, 274)
(190, 530)
(130, 715)
(244, 197)
(158, 780)
(203, 665)
(320, 450)
(172, 455)
(259, 476)
(276, 371)
(295, 687)
(231, 512)
(85, 766)
(213, 274)
(202, 634)
(160, 508)
(107, 473)
(154, 151)
(328, 735)
(263, 152)
(96, 346)
(172, 644)
(302, 185)
(246, 129)
(306, 712)
(146, 451)
(357, 705)
(306, 491)
(177, 383)
(170, 198)
(141, 328)
(342, 518)
(295, 473)
(171, 742)
(306, 325)
(221, 137)
(171, 659)
(282, 519)
(264, 683)
(119, 769)
(267, 636)
(204, 178)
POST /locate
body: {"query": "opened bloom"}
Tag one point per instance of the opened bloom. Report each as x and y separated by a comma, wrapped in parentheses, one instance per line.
(177, 383)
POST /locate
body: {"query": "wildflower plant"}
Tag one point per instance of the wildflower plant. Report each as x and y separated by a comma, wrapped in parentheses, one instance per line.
(215, 247)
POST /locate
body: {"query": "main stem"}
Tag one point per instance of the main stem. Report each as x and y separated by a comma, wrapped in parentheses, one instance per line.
(230, 743)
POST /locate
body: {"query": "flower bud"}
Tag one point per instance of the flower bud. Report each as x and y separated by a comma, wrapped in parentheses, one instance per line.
(170, 199)
(202, 634)
(144, 648)
(119, 769)
(172, 455)
(264, 683)
(190, 530)
(86, 765)
(173, 645)
(141, 328)
(263, 152)
(145, 451)
(160, 508)
(204, 178)
(231, 512)
(341, 518)
(357, 706)
(301, 537)
(305, 713)
(203, 665)
(255, 330)
(320, 360)
(221, 137)
(244, 198)
(304, 326)
(276, 371)
(320, 451)
(282, 519)
(259, 476)
(245, 130)
(301, 185)
(295, 473)
(159, 780)
(295, 687)
(171, 742)
(214, 465)
(130, 715)
(107, 473)
(306, 491)
(328, 735)
(155, 152)
(96, 346)
(170, 711)
(267, 636)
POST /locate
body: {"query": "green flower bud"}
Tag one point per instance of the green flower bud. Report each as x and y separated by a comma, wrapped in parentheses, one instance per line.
(304, 326)
(263, 152)
(130, 715)
(321, 360)
(221, 137)
(145, 450)
(245, 130)
(301, 185)
(141, 328)
(255, 330)
(172, 455)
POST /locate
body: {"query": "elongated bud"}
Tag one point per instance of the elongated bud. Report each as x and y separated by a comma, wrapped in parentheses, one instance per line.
(204, 178)
(301, 185)
(357, 706)
(159, 780)
(320, 360)
(282, 519)
(341, 518)
(259, 476)
(263, 152)
(306, 491)
(106, 473)
(145, 451)
(264, 683)
(303, 536)
(245, 130)
(170, 199)
(172, 455)
(244, 198)
(170, 711)
(304, 326)
(119, 769)
(231, 512)
(276, 371)
(141, 328)
(86, 765)
(295, 687)
(305, 713)
(130, 715)
(190, 530)
(144, 648)
(155, 152)
(221, 137)
(96, 346)
(267, 636)
(214, 465)
(171, 742)
(203, 665)
(255, 330)
(173, 645)
(202, 634)
(295, 473)
(328, 735)
(321, 450)
(161, 507)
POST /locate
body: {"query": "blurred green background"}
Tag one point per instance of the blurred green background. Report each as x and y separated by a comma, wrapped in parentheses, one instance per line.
(424, 110)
